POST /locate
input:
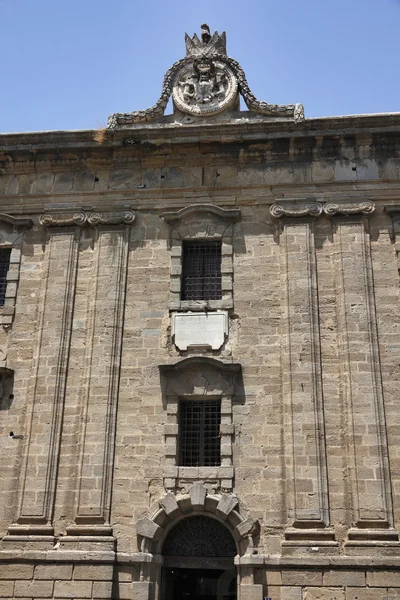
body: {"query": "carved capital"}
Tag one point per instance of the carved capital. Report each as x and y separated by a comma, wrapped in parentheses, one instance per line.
(55, 221)
(91, 219)
(309, 210)
(362, 208)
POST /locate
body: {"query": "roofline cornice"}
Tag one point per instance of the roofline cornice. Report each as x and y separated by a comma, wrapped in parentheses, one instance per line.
(222, 132)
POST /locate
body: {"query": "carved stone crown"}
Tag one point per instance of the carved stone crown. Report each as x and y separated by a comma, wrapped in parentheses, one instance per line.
(207, 46)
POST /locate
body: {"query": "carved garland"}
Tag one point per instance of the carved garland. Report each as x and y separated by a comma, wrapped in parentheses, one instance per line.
(253, 104)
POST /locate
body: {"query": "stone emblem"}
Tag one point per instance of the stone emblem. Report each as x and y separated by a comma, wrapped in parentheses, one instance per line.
(206, 82)
(204, 87)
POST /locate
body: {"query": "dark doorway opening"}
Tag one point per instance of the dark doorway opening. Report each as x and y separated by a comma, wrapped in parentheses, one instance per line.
(199, 561)
(200, 584)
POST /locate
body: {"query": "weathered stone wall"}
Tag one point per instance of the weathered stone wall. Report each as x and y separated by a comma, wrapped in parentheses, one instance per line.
(314, 326)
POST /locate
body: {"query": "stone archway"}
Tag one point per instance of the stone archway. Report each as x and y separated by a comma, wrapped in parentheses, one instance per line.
(153, 533)
(172, 508)
(198, 555)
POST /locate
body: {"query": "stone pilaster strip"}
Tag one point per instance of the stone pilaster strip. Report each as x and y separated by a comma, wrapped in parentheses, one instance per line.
(308, 505)
(103, 368)
(369, 475)
(39, 479)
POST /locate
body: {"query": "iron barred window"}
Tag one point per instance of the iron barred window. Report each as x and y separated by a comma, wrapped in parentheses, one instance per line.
(201, 271)
(199, 433)
(5, 254)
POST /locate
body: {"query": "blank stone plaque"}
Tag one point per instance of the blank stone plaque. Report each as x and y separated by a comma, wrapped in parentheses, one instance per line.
(200, 330)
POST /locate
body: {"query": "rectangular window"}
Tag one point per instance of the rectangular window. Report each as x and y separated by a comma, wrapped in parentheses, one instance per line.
(5, 254)
(201, 271)
(199, 433)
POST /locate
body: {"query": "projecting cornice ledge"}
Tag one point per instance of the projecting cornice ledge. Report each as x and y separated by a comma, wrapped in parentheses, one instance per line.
(315, 209)
(89, 219)
(199, 210)
(17, 222)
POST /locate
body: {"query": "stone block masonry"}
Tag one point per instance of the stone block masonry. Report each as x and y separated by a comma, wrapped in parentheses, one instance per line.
(306, 483)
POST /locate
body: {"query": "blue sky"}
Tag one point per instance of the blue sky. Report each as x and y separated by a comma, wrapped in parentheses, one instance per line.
(68, 64)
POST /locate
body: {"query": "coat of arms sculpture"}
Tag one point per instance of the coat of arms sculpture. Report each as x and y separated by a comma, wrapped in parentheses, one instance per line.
(206, 82)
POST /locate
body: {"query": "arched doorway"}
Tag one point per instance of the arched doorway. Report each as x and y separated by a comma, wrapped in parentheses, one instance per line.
(199, 556)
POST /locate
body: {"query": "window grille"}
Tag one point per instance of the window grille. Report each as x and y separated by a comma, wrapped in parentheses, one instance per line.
(5, 254)
(199, 433)
(201, 271)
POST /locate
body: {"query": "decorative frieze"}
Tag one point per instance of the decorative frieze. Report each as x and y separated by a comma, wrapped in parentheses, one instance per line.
(91, 219)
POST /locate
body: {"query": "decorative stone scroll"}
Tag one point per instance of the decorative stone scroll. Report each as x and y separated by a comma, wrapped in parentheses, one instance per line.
(91, 219)
(309, 210)
(206, 82)
(315, 209)
(364, 208)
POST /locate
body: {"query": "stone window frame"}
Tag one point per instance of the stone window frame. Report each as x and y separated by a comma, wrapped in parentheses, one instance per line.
(195, 379)
(12, 237)
(204, 222)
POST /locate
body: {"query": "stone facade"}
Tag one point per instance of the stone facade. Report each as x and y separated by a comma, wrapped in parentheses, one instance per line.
(306, 365)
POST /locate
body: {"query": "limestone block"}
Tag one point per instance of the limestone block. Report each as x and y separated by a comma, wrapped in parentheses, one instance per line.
(147, 528)
(383, 578)
(198, 495)
(290, 592)
(72, 589)
(226, 505)
(170, 505)
(6, 589)
(94, 572)
(366, 593)
(323, 593)
(102, 589)
(40, 589)
(345, 578)
(16, 571)
(302, 577)
(55, 571)
(141, 590)
(245, 527)
(251, 592)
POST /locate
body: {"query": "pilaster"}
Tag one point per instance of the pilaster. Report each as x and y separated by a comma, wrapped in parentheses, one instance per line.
(307, 481)
(48, 386)
(367, 448)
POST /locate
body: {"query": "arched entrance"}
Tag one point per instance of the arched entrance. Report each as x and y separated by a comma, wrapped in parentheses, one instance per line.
(198, 557)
